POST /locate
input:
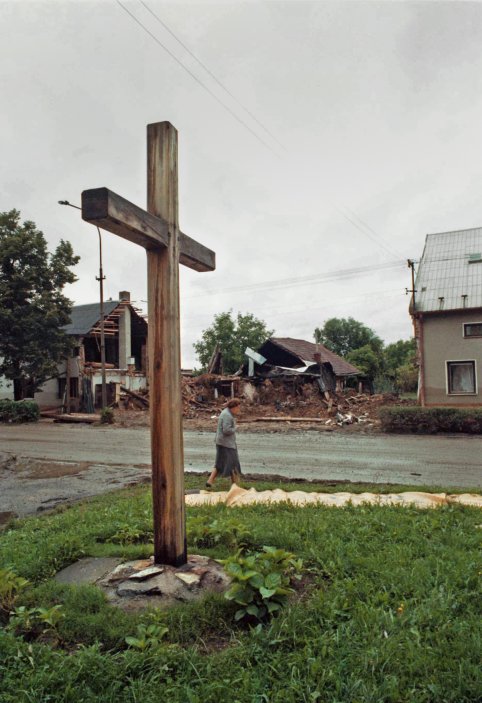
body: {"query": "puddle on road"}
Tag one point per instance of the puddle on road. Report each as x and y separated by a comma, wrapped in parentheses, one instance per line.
(31, 469)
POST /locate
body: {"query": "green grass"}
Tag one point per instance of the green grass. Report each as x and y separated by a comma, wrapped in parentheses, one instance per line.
(346, 639)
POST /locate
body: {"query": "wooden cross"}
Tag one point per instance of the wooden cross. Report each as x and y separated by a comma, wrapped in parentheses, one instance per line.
(157, 230)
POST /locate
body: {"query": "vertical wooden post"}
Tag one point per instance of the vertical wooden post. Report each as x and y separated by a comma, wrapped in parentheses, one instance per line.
(164, 351)
(67, 385)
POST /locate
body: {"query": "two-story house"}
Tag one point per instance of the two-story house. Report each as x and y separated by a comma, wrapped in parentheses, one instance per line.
(447, 312)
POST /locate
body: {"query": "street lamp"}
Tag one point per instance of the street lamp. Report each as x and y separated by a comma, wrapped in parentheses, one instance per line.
(101, 279)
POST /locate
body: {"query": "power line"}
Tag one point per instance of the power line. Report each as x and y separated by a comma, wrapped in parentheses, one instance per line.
(367, 234)
(287, 312)
(208, 70)
(193, 75)
(367, 226)
(304, 280)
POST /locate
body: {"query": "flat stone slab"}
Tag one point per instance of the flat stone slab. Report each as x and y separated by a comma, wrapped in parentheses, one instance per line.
(87, 570)
(135, 585)
(147, 573)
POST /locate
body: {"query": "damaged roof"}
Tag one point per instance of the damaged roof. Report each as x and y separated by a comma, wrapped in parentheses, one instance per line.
(84, 317)
(305, 352)
(449, 275)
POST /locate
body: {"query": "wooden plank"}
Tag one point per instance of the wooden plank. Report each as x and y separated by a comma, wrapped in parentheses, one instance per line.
(104, 208)
(194, 255)
(137, 396)
(113, 213)
(164, 352)
(77, 417)
(283, 419)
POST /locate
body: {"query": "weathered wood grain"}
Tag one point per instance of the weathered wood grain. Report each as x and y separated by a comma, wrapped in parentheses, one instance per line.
(165, 352)
(104, 208)
(113, 213)
(158, 232)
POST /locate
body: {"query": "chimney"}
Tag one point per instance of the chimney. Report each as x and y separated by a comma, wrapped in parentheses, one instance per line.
(124, 295)
(317, 357)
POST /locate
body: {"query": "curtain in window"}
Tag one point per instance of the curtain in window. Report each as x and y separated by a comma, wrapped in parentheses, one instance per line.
(462, 377)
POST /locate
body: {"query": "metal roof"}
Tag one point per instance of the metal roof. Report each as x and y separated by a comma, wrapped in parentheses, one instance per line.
(84, 317)
(306, 351)
(445, 278)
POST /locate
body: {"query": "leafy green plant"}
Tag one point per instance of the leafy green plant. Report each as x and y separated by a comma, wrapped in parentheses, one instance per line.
(148, 637)
(36, 621)
(261, 582)
(11, 586)
(231, 533)
(19, 411)
(107, 416)
(130, 534)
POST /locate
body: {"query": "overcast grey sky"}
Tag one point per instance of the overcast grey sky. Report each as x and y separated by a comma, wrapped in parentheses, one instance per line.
(373, 113)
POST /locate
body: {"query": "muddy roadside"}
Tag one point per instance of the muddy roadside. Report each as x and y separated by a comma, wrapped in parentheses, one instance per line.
(31, 486)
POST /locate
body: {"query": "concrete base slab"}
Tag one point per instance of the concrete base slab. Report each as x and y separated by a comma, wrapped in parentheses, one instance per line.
(87, 570)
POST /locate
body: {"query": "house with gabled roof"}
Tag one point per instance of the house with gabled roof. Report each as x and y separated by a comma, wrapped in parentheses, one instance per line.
(301, 356)
(78, 382)
(446, 309)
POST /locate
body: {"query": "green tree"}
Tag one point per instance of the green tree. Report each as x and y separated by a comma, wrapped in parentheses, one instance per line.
(233, 336)
(344, 335)
(400, 366)
(406, 378)
(33, 309)
(366, 360)
(398, 354)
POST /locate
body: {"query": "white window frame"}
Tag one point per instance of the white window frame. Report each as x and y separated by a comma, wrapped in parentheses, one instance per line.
(471, 336)
(461, 361)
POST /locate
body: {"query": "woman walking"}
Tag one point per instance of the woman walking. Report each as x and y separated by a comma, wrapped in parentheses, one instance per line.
(227, 461)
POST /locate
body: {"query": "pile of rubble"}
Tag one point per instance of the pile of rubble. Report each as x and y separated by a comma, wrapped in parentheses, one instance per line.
(272, 400)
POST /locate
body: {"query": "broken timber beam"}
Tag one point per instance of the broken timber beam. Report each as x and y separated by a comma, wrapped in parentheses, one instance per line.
(137, 396)
(283, 419)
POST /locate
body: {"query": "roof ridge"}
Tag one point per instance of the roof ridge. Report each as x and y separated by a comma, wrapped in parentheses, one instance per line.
(453, 231)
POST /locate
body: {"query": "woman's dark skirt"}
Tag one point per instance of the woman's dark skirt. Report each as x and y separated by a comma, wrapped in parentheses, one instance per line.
(227, 461)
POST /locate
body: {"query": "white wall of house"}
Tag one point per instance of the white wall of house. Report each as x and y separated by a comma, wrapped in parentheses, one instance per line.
(125, 344)
(6, 389)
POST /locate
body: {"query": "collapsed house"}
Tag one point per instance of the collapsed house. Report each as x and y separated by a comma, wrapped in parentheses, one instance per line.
(287, 379)
(287, 358)
(79, 380)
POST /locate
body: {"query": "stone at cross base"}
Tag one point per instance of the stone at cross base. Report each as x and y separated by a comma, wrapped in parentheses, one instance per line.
(157, 230)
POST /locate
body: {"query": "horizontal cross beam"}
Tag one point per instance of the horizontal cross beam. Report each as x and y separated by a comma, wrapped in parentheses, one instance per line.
(109, 211)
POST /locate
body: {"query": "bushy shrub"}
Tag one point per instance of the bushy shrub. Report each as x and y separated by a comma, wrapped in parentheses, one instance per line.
(419, 420)
(107, 416)
(19, 411)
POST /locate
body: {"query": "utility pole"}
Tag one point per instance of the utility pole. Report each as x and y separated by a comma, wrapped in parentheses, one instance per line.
(411, 266)
(101, 279)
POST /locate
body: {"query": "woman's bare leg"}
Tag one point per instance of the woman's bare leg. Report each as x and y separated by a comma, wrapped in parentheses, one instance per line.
(212, 477)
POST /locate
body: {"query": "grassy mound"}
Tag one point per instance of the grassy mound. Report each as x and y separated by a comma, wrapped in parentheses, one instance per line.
(389, 610)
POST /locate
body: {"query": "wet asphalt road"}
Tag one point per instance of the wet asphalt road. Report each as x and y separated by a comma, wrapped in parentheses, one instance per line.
(417, 460)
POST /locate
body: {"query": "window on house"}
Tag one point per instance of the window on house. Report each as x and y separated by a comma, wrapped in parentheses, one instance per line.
(473, 329)
(74, 387)
(461, 377)
(61, 388)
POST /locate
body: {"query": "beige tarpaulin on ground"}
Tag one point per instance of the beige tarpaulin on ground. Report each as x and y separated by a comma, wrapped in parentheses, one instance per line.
(240, 496)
